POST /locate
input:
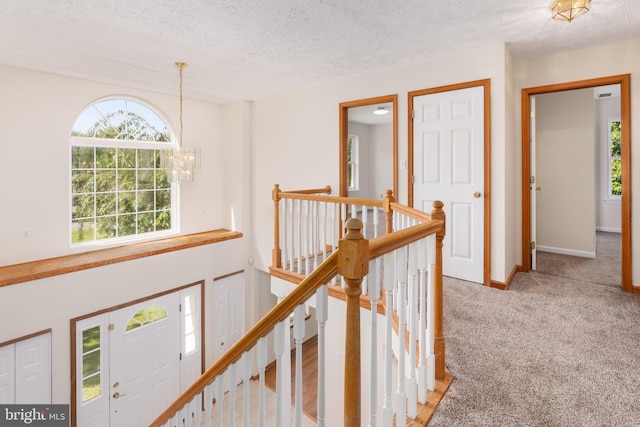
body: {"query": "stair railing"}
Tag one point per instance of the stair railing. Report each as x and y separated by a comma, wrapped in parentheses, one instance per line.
(413, 252)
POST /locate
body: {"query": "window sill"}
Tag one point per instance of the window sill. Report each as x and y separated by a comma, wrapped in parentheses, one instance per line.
(28, 271)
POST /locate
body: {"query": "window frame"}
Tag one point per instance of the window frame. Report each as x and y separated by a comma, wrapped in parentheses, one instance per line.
(95, 142)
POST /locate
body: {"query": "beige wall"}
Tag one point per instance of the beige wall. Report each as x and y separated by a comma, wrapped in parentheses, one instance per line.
(565, 172)
(296, 138)
(600, 61)
(38, 111)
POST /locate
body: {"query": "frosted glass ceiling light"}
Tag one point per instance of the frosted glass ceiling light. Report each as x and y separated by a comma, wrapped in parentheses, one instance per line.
(568, 10)
(180, 163)
(380, 111)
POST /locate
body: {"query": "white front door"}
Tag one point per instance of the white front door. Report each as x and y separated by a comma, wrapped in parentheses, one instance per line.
(144, 360)
(448, 144)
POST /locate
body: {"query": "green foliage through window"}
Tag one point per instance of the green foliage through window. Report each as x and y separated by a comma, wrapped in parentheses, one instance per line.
(615, 158)
(118, 187)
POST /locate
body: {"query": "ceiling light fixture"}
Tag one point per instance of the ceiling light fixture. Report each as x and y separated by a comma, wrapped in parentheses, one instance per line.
(568, 10)
(179, 162)
(380, 111)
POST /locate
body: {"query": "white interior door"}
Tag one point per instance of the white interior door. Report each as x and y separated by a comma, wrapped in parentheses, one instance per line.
(228, 294)
(7, 374)
(533, 186)
(144, 360)
(448, 135)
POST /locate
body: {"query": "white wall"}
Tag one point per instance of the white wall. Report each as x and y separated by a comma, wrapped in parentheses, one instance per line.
(565, 172)
(38, 112)
(608, 212)
(296, 137)
(599, 61)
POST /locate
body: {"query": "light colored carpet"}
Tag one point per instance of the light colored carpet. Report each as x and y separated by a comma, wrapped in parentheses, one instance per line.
(550, 351)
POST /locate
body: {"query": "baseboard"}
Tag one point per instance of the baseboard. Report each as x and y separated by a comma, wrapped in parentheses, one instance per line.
(609, 229)
(563, 251)
(505, 286)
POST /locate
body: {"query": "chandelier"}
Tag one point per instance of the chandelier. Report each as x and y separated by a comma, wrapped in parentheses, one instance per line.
(180, 163)
(568, 10)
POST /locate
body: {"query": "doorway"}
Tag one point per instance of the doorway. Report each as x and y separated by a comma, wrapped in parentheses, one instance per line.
(131, 361)
(529, 185)
(449, 159)
(368, 141)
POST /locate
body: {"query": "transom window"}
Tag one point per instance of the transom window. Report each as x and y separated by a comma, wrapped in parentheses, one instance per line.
(118, 188)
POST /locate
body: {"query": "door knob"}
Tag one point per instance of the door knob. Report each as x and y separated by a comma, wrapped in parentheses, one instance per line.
(117, 395)
(476, 194)
(538, 188)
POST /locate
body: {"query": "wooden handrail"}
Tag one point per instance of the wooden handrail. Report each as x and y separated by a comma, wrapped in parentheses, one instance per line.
(299, 295)
(325, 190)
(351, 260)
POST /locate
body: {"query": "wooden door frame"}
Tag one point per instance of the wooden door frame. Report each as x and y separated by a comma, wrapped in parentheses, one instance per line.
(486, 84)
(624, 80)
(344, 135)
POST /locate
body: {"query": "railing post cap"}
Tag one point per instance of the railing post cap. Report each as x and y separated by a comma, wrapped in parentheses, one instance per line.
(354, 227)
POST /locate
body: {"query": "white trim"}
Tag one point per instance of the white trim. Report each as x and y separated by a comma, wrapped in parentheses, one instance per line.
(610, 229)
(563, 251)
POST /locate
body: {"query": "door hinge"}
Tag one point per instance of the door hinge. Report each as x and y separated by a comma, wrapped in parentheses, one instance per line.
(413, 114)
(180, 356)
(111, 327)
(532, 179)
(180, 308)
(532, 245)
(532, 114)
(413, 179)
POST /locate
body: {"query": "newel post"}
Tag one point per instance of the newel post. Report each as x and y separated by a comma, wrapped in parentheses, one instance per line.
(353, 265)
(276, 253)
(438, 342)
(388, 212)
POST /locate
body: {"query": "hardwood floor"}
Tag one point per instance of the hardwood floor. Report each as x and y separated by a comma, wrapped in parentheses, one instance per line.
(309, 377)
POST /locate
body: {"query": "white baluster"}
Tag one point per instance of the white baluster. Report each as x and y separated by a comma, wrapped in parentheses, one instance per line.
(187, 411)
(401, 396)
(387, 408)
(324, 231)
(375, 221)
(354, 211)
(261, 361)
(292, 246)
(220, 396)
(245, 366)
(278, 348)
(374, 292)
(285, 240)
(322, 301)
(365, 279)
(422, 326)
(412, 386)
(299, 233)
(316, 235)
(233, 385)
(197, 419)
(431, 358)
(298, 336)
(208, 403)
(308, 241)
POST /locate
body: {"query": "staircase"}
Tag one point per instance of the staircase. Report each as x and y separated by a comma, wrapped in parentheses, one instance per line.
(367, 375)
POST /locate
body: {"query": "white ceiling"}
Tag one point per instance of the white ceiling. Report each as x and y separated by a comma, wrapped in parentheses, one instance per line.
(240, 49)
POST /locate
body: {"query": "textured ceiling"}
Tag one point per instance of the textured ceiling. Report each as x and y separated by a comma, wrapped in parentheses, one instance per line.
(239, 49)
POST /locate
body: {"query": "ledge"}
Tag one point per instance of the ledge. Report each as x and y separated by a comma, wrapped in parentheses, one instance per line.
(28, 271)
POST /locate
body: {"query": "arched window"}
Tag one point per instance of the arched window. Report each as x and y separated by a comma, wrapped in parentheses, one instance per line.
(145, 316)
(118, 188)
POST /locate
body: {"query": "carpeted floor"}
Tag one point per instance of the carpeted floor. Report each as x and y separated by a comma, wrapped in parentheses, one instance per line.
(550, 351)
